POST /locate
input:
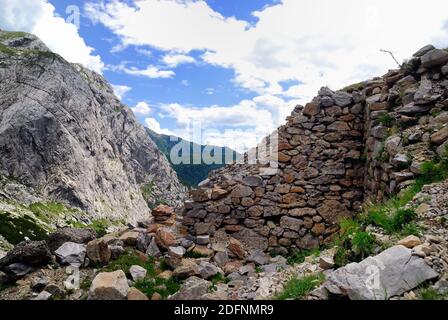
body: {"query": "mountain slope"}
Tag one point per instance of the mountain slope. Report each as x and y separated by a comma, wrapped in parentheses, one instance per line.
(190, 174)
(64, 133)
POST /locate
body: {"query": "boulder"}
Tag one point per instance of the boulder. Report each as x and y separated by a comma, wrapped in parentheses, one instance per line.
(207, 270)
(137, 273)
(192, 289)
(129, 238)
(63, 235)
(187, 268)
(410, 242)
(221, 258)
(71, 253)
(143, 241)
(258, 257)
(236, 247)
(31, 253)
(153, 250)
(440, 136)
(109, 286)
(389, 274)
(162, 211)
(434, 58)
(136, 295)
(424, 50)
(176, 252)
(165, 238)
(98, 252)
(342, 98)
(241, 191)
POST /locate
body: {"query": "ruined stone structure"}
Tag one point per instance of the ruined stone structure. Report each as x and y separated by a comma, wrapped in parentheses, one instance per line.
(343, 147)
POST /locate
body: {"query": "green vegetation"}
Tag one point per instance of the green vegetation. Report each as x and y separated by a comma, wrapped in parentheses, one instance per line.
(357, 86)
(299, 256)
(194, 255)
(386, 120)
(428, 293)
(15, 228)
(297, 288)
(189, 174)
(11, 35)
(152, 283)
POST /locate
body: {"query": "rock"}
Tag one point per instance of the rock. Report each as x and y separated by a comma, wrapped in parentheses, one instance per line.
(410, 242)
(258, 257)
(236, 247)
(311, 109)
(412, 109)
(136, 295)
(71, 253)
(98, 252)
(43, 296)
(153, 250)
(187, 268)
(129, 238)
(63, 235)
(162, 211)
(97, 167)
(332, 211)
(218, 193)
(109, 286)
(434, 58)
(207, 270)
(291, 223)
(241, 191)
(424, 50)
(441, 286)
(32, 253)
(326, 262)
(391, 273)
(165, 238)
(192, 289)
(116, 251)
(39, 284)
(307, 242)
(156, 296)
(143, 241)
(221, 258)
(440, 136)
(445, 69)
(342, 99)
(137, 273)
(17, 270)
(200, 195)
(203, 240)
(253, 181)
(400, 161)
(177, 252)
(202, 251)
(55, 290)
(165, 275)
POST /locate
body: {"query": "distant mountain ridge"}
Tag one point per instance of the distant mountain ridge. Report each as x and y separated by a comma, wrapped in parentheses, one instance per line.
(190, 174)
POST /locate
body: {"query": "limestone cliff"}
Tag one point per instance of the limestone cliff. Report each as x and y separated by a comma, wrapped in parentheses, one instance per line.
(64, 133)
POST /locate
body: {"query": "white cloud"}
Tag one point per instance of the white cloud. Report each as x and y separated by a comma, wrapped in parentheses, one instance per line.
(318, 42)
(151, 71)
(173, 60)
(142, 108)
(154, 125)
(121, 90)
(39, 17)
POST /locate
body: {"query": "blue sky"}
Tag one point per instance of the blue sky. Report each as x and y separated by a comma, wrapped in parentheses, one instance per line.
(235, 68)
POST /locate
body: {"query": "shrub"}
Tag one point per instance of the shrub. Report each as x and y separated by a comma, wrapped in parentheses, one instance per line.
(297, 288)
(386, 120)
(362, 244)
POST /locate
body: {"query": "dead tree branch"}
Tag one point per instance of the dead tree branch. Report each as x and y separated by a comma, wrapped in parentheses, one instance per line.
(392, 55)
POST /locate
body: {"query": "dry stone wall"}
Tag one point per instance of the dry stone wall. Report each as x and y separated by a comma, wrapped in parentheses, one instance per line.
(343, 147)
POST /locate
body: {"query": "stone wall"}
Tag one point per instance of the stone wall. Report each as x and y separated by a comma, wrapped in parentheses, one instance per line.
(340, 149)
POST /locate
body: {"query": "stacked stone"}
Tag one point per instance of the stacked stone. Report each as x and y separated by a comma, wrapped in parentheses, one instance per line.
(342, 147)
(318, 180)
(406, 121)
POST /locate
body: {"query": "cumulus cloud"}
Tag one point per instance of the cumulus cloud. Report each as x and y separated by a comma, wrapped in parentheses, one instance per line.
(317, 42)
(154, 125)
(39, 17)
(173, 60)
(121, 90)
(142, 108)
(151, 71)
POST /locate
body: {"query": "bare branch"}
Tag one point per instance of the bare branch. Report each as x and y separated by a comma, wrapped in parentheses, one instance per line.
(393, 57)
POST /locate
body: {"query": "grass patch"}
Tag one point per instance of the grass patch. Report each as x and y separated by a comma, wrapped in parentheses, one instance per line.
(427, 293)
(129, 259)
(386, 120)
(14, 229)
(163, 287)
(299, 256)
(297, 288)
(11, 35)
(355, 87)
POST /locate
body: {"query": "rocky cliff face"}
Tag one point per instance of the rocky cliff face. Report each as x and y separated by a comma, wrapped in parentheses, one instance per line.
(64, 133)
(365, 142)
